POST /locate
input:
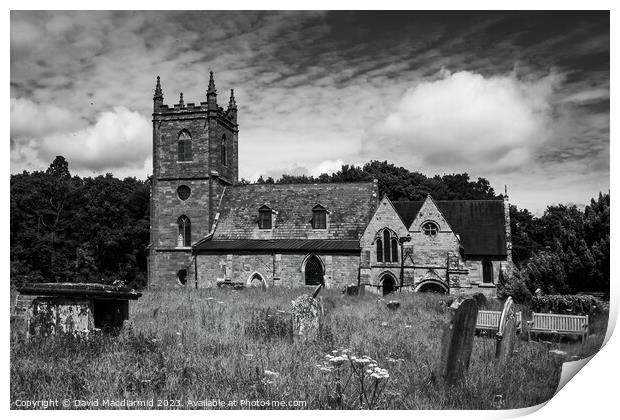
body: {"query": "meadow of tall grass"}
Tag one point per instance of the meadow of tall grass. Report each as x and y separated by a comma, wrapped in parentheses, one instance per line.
(220, 344)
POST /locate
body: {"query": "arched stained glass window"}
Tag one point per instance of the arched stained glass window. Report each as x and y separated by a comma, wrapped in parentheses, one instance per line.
(386, 248)
(379, 250)
(394, 250)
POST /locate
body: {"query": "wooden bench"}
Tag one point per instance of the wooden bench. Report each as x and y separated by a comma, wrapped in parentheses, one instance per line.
(489, 320)
(559, 324)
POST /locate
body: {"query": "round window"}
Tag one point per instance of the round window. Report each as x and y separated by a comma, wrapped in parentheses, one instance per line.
(183, 192)
(430, 229)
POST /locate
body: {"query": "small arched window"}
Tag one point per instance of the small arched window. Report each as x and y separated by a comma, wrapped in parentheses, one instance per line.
(487, 271)
(379, 250)
(394, 250)
(184, 232)
(430, 229)
(223, 156)
(184, 146)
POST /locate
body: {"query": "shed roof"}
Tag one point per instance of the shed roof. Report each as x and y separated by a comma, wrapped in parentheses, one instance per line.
(480, 224)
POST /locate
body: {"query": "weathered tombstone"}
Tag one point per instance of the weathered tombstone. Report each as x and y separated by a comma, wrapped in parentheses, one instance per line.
(457, 342)
(353, 290)
(306, 312)
(506, 332)
(393, 305)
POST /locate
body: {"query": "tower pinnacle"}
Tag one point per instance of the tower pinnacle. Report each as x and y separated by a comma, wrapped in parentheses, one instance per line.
(181, 101)
(211, 88)
(211, 95)
(158, 98)
(232, 104)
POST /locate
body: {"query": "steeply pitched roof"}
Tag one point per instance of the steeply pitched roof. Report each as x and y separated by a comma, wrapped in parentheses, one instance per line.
(316, 245)
(351, 206)
(407, 210)
(479, 223)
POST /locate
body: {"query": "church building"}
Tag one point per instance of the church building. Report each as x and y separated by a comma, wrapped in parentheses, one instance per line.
(208, 231)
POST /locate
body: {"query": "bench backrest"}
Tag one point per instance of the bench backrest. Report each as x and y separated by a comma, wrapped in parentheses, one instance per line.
(557, 322)
(491, 318)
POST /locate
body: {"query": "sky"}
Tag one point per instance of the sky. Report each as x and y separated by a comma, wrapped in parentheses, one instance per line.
(519, 98)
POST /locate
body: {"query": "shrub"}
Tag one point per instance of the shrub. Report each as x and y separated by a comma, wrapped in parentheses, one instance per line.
(513, 285)
(481, 300)
(567, 304)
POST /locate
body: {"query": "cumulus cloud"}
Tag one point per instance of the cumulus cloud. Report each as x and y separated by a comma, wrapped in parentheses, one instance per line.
(327, 167)
(119, 138)
(464, 119)
(33, 120)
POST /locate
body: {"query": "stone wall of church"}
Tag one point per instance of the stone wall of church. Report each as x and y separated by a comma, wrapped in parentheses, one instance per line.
(277, 269)
(164, 268)
(171, 207)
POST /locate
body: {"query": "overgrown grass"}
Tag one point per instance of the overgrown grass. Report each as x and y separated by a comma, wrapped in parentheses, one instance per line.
(217, 344)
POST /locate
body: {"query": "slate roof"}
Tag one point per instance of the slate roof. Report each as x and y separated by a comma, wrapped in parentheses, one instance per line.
(278, 245)
(479, 223)
(350, 206)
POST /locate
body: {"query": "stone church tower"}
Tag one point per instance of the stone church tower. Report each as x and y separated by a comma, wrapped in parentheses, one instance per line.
(195, 156)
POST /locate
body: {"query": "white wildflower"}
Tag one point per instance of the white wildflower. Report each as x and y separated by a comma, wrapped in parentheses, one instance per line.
(271, 373)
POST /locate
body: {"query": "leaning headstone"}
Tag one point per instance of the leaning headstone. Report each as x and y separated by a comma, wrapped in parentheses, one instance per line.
(457, 342)
(306, 312)
(506, 333)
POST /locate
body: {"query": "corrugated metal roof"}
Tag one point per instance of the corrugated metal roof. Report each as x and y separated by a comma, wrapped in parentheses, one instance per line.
(316, 245)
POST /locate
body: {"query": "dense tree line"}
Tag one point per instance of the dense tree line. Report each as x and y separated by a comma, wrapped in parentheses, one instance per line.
(74, 229)
(67, 228)
(566, 250)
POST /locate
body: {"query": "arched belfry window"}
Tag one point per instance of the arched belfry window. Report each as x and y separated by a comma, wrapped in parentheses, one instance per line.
(184, 146)
(223, 156)
(487, 271)
(387, 246)
(184, 237)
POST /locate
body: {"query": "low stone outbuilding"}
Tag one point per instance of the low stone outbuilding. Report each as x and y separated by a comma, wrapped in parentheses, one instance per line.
(48, 308)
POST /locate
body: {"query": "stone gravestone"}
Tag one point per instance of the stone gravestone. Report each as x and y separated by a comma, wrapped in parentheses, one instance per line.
(307, 312)
(506, 333)
(457, 342)
(393, 305)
